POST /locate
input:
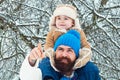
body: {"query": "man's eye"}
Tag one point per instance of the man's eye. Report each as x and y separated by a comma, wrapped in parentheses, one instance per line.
(70, 51)
(60, 49)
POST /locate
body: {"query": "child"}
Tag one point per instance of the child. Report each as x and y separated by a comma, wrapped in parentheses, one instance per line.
(64, 18)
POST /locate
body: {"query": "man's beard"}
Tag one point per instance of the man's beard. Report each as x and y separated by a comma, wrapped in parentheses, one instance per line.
(64, 64)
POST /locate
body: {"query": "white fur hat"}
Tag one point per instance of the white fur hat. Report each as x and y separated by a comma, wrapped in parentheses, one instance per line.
(67, 10)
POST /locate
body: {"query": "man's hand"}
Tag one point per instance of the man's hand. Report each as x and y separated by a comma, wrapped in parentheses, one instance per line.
(35, 54)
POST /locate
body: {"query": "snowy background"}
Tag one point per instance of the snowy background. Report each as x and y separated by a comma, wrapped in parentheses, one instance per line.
(24, 23)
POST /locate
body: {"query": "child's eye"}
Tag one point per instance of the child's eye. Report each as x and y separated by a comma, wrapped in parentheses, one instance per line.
(58, 18)
(66, 18)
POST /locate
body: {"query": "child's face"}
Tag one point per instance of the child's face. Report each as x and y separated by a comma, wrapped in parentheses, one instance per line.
(64, 22)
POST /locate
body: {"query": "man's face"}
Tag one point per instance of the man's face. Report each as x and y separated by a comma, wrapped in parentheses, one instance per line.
(64, 58)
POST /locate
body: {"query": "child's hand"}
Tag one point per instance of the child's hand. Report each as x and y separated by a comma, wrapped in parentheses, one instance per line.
(35, 54)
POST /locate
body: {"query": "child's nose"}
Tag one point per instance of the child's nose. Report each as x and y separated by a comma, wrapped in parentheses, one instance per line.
(62, 20)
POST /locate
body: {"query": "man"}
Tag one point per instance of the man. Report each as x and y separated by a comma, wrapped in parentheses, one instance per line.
(59, 63)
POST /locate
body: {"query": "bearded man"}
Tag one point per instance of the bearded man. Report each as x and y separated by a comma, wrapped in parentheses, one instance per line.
(60, 63)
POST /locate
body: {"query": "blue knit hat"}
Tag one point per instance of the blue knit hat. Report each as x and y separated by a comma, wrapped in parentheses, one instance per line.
(71, 39)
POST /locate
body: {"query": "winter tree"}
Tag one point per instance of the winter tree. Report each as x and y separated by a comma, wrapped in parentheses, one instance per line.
(24, 23)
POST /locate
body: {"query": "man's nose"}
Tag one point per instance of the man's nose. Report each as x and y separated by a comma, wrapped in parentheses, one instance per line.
(64, 54)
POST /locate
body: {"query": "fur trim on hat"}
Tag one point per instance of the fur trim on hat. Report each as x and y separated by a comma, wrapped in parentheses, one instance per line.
(66, 10)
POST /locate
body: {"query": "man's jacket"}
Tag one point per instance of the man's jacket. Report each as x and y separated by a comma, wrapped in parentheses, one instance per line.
(87, 72)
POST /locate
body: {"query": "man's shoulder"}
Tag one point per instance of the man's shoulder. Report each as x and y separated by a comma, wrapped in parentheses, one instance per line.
(88, 72)
(89, 67)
